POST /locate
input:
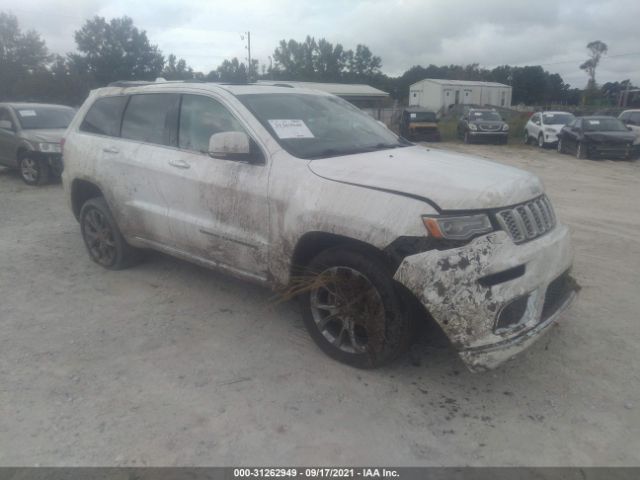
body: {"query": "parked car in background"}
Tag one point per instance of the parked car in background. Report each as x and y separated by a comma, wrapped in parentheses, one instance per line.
(482, 124)
(631, 118)
(30, 135)
(419, 124)
(301, 191)
(543, 127)
(598, 137)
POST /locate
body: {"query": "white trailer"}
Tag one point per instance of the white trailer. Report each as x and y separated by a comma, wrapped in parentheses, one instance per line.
(439, 95)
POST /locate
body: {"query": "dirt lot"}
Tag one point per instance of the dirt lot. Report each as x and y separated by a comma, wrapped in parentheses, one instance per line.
(171, 364)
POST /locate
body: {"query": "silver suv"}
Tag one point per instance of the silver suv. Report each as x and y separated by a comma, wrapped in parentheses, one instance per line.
(300, 191)
(30, 135)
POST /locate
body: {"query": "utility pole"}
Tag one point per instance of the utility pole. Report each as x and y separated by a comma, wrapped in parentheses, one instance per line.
(248, 47)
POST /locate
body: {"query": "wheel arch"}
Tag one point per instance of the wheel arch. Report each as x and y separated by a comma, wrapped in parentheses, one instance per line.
(312, 243)
(81, 191)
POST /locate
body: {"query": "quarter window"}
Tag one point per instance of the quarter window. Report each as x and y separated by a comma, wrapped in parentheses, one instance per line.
(152, 118)
(104, 116)
(201, 117)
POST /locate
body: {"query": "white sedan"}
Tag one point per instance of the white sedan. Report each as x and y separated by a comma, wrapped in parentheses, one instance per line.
(543, 127)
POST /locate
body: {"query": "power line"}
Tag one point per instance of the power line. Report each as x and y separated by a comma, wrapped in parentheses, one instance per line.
(603, 58)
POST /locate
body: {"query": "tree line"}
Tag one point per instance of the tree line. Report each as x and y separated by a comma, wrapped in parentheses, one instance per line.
(110, 50)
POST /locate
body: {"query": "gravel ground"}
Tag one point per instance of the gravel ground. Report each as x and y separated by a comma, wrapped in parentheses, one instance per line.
(171, 364)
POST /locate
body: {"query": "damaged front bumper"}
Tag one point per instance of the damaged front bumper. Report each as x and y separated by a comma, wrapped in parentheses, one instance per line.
(493, 298)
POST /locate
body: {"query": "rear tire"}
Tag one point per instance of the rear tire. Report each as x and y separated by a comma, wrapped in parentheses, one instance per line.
(105, 244)
(353, 309)
(33, 171)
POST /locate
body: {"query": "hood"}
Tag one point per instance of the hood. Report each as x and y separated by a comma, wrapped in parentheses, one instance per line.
(620, 137)
(52, 136)
(451, 180)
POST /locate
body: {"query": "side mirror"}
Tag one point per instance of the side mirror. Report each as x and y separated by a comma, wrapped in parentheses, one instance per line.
(6, 125)
(231, 146)
(629, 128)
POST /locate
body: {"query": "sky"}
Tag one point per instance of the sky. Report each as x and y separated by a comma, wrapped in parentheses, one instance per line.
(403, 33)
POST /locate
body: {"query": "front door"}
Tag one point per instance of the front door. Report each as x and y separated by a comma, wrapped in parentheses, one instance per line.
(217, 209)
(8, 139)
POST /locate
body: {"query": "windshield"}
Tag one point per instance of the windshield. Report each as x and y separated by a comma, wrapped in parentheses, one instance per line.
(422, 117)
(557, 118)
(44, 117)
(490, 116)
(603, 125)
(318, 126)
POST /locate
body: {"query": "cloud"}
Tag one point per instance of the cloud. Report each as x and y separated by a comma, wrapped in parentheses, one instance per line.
(402, 32)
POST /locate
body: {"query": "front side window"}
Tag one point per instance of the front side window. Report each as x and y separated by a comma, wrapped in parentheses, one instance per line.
(104, 116)
(319, 126)
(201, 117)
(6, 116)
(41, 117)
(152, 118)
(635, 118)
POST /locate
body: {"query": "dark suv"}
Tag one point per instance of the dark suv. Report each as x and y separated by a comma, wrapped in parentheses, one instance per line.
(483, 124)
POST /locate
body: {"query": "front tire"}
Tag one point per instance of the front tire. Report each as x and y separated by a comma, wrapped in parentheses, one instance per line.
(560, 146)
(541, 143)
(526, 138)
(105, 244)
(467, 138)
(33, 171)
(581, 151)
(353, 309)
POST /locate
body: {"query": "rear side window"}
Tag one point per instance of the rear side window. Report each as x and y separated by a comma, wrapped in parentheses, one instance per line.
(104, 116)
(152, 118)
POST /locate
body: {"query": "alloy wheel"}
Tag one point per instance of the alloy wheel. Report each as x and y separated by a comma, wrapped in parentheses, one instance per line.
(347, 310)
(30, 169)
(100, 238)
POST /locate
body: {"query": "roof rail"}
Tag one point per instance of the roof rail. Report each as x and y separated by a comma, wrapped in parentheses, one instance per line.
(129, 83)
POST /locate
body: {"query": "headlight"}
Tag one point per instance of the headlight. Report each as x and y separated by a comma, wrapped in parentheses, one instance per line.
(457, 227)
(505, 127)
(472, 127)
(49, 147)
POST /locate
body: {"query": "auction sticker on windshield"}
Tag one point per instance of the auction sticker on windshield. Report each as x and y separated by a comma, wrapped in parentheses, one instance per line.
(291, 129)
(27, 113)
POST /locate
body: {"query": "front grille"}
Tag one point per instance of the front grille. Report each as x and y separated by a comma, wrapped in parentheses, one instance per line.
(490, 128)
(528, 220)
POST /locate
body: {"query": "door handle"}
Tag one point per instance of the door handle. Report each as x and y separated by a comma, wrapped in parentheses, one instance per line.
(110, 150)
(179, 164)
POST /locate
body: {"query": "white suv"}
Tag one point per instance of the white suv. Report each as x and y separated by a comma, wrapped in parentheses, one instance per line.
(300, 191)
(631, 118)
(543, 127)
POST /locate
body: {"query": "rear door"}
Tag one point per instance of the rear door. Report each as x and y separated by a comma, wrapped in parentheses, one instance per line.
(138, 164)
